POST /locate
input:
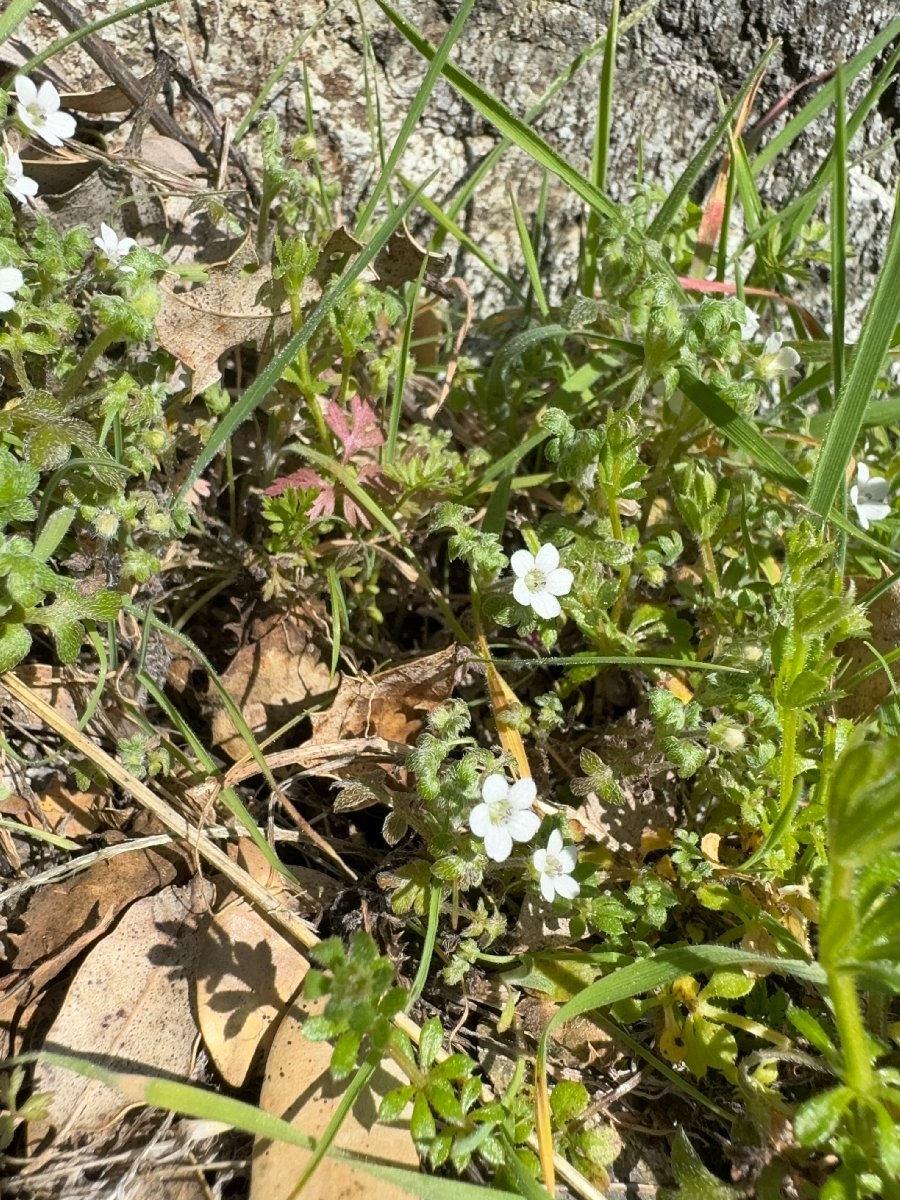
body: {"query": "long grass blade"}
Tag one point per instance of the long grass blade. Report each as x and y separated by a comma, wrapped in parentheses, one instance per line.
(878, 329)
(600, 153)
(504, 120)
(436, 67)
(692, 172)
(263, 384)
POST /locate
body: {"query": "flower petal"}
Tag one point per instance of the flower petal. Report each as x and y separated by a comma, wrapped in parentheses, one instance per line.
(547, 558)
(539, 858)
(566, 886)
(545, 605)
(554, 842)
(521, 826)
(26, 92)
(522, 793)
(521, 594)
(548, 888)
(494, 788)
(522, 562)
(862, 472)
(480, 820)
(11, 279)
(6, 302)
(559, 582)
(498, 843)
(47, 98)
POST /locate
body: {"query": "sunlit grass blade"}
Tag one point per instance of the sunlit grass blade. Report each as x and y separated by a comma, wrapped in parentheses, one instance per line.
(530, 258)
(795, 215)
(492, 158)
(742, 432)
(263, 384)
(838, 233)
(435, 68)
(15, 14)
(875, 338)
(69, 39)
(600, 151)
(504, 120)
(692, 172)
(277, 73)
(447, 225)
(823, 98)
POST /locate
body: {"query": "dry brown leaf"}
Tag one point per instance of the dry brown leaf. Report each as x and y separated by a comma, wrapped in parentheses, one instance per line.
(246, 975)
(392, 704)
(268, 680)
(61, 919)
(130, 1000)
(401, 261)
(298, 1087)
(46, 681)
(884, 636)
(234, 306)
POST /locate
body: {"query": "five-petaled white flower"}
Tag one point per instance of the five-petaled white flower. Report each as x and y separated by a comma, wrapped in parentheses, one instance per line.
(504, 815)
(868, 496)
(555, 866)
(11, 279)
(113, 248)
(776, 359)
(17, 182)
(540, 579)
(38, 110)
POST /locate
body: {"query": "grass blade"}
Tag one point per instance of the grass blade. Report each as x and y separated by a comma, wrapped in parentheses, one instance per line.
(436, 67)
(692, 172)
(878, 329)
(266, 380)
(600, 155)
(504, 120)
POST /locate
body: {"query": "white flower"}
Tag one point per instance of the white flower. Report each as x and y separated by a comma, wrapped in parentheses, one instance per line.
(38, 110)
(555, 866)
(540, 579)
(776, 359)
(750, 324)
(17, 182)
(867, 496)
(113, 248)
(11, 279)
(505, 815)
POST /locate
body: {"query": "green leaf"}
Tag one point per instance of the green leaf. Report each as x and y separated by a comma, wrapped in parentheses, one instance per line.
(817, 1119)
(394, 1102)
(15, 642)
(421, 1124)
(864, 802)
(55, 529)
(346, 1051)
(568, 1100)
(430, 1041)
(694, 1180)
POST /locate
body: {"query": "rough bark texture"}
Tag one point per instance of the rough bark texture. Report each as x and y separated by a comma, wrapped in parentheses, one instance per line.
(669, 65)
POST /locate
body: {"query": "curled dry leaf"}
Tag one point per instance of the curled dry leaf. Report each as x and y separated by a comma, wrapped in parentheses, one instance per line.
(392, 704)
(237, 304)
(269, 679)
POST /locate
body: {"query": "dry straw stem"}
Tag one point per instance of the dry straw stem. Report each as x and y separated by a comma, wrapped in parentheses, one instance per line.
(279, 914)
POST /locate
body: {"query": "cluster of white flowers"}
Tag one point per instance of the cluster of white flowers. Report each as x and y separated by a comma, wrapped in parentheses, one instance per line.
(38, 112)
(504, 816)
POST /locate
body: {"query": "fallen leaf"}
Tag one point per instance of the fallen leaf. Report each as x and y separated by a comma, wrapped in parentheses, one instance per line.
(299, 1088)
(269, 680)
(392, 704)
(130, 1003)
(402, 259)
(234, 306)
(885, 637)
(247, 974)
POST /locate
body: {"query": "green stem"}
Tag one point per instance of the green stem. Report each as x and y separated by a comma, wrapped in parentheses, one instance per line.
(709, 566)
(838, 931)
(98, 346)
